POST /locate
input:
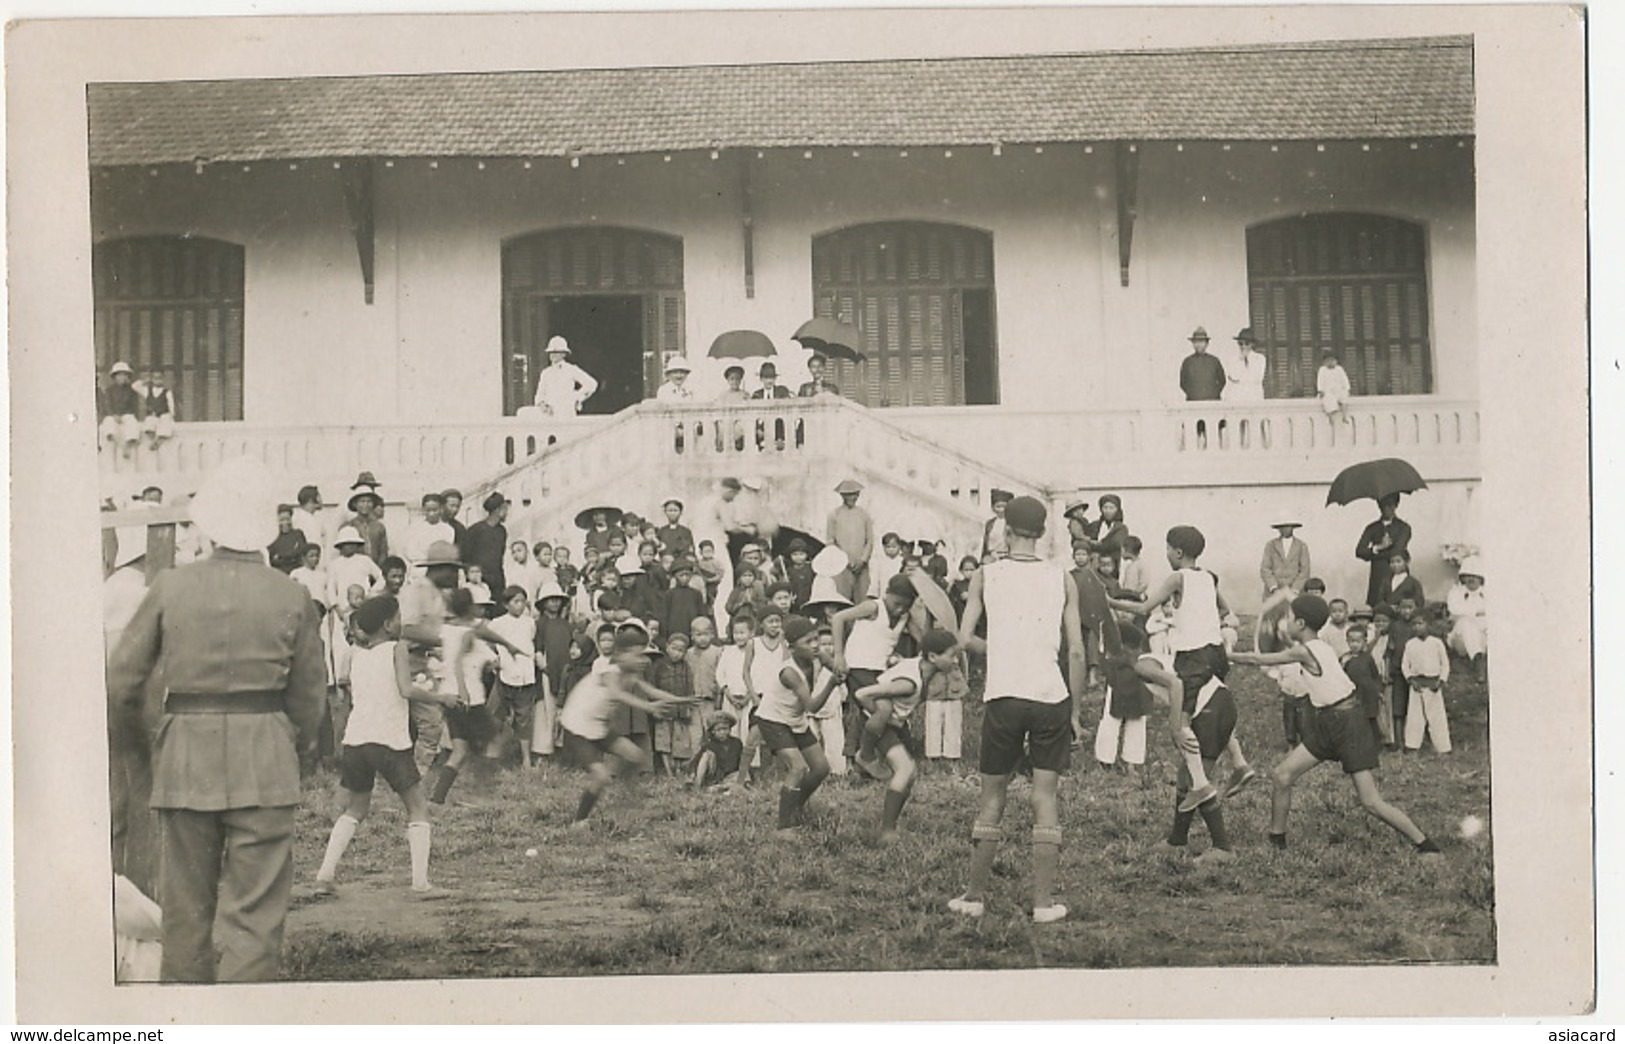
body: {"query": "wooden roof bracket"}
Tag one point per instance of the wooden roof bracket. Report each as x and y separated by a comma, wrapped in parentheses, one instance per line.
(359, 206)
(1128, 182)
(747, 222)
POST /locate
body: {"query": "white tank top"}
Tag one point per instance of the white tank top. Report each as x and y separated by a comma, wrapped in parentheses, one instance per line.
(870, 642)
(1196, 620)
(378, 713)
(780, 703)
(590, 707)
(1333, 685)
(1024, 601)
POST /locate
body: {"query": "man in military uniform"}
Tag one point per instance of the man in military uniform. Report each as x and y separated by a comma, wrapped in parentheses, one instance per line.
(237, 645)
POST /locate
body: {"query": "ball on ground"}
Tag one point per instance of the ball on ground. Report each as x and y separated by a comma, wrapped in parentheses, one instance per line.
(1471, 827)
(531, 853)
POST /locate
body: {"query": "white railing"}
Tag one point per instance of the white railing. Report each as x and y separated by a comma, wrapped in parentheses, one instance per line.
(1218, 443)
(426, 454)
(957, 453)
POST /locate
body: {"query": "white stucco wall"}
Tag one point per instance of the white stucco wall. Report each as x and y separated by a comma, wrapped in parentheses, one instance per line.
(1068, 333)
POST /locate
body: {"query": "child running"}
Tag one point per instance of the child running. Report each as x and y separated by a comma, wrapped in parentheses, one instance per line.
(1337, 726)
(889, 702)
(799, 687)
(377, 742)
(590, 739)
(461, 672)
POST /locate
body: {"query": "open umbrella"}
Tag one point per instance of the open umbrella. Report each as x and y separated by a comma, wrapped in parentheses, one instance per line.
(831, 337)
(1373, 480)
(612, 515)
(741, 344)
(781, 542)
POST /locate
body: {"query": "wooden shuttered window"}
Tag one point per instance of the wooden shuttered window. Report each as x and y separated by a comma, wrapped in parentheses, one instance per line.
(903, 284)
(174, 305)
(1352, 283)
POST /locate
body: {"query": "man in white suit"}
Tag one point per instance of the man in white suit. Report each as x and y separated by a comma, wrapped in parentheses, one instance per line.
(1286, 561)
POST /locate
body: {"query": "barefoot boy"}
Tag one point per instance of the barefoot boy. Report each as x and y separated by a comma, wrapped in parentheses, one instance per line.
(889, 702)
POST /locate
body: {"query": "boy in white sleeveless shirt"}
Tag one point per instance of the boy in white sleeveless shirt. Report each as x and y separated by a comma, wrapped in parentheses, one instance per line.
(1197, 639)
(1335, 729)
(1032, 616)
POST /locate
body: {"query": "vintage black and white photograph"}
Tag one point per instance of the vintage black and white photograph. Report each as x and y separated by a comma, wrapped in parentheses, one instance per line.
(1000, 508)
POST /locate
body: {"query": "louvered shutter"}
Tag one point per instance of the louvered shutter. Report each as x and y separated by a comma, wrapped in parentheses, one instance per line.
(174, 305)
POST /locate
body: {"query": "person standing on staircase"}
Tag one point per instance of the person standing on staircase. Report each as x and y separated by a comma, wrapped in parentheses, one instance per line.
(563, 386)
(486, 543)
(850, 528)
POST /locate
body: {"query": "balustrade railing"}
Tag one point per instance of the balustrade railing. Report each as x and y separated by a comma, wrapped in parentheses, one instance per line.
(956, 453)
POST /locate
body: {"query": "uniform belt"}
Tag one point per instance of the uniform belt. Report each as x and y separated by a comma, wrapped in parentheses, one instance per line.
(1342, 704)
(225, 702)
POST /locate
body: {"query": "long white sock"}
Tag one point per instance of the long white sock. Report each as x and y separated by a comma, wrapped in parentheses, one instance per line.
(1193, 765)
(417, 841)
(337, 842)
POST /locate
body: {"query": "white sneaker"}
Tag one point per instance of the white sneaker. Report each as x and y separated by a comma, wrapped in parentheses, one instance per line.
(968, 907)
(1049, 914)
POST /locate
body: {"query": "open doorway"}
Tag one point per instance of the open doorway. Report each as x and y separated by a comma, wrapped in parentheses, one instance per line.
(605, 332)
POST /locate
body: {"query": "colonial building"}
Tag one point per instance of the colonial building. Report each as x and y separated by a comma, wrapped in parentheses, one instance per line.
(354, 273)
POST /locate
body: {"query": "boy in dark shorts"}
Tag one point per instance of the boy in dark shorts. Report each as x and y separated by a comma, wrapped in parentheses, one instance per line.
(889, 703)
(590, 740)
(377, 742)
(1335, 729)
(1208, 732)
(1196, 635)
(798, 689)
(1031, 607)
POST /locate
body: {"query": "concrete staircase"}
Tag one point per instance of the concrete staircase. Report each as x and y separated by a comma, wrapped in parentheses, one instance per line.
(794, 452)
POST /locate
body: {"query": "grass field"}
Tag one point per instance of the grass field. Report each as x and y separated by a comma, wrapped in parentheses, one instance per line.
(668, 881)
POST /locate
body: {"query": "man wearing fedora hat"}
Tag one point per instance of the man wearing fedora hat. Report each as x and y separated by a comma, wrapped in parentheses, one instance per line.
(563, 386)
(675, 389)
(1286, 561)
(238, 647)
(850, 528)
(771, 388)
(368, 518)
(1201, 376)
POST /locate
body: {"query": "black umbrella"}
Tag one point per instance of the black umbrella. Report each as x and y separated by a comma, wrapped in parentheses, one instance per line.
(781, 542)
(741, 344)
(831, 337)
(1374, 480)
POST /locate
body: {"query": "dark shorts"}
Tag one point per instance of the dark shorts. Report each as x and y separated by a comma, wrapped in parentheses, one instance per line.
(1341, 733)
(1215, 725)
(584, 753)
(894, 735)
(360, 766)
(1010, 722)
(515, 702)
(860, 677)
(1196, 667)
(473, 724)
(777, 736)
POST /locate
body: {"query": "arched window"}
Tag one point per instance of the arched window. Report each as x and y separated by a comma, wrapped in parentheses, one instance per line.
(616, 294)
(1352, 283)
(922, 293)
(174, 304)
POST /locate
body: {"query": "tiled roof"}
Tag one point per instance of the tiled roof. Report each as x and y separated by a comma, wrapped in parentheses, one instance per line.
(1341, 90)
